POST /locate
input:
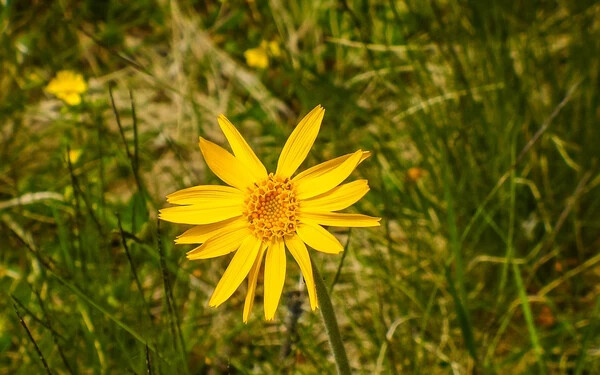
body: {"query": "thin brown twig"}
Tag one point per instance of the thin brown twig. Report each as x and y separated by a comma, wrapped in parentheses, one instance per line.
(37, 348)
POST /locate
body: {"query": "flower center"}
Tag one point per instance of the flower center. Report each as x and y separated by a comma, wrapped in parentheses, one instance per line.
(271, 208)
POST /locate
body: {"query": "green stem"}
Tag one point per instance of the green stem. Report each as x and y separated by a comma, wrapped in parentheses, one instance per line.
(331, 325)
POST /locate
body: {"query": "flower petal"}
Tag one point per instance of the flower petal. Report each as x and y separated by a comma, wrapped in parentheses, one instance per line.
(201, 233)
(300, 254)
(338, 198)
(241, 149)
(198, 215)
(206, 195)
(274, 277)
(311, 186)
(71, 98)
(326, 166)
(237, 270)
(252, 279)
(220, 244)
(319, 238)
(336, 219)
(225, 166)
(299, 143)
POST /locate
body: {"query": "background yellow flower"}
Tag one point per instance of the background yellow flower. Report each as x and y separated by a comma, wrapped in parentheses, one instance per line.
(67, 86)
(257, 57)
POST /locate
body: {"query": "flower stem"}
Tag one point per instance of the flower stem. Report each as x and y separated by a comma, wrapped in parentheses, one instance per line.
(331, 325)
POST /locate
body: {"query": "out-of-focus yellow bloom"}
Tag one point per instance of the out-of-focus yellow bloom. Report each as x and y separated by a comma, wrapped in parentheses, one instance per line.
(67, 86)
(272, 47)
(74, 155)
(259, 57)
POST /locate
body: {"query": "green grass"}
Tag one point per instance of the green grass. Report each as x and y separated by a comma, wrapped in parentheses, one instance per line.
(486, 263)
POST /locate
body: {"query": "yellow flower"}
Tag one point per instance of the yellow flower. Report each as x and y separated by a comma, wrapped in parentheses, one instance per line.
(74, 155)
(260, 214)
(67, 86)
(272, 47)
(257, 58)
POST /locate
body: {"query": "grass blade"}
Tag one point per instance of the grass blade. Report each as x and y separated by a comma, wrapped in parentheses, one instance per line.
(533, 336)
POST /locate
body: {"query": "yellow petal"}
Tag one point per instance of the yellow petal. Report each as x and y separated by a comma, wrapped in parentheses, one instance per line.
(201, 233)
(220, 244)
(318, 238)
(252, 279)
(336, 219)
(311, 186)
(225, 166)
(274, 48)
(207, 196)
(257, 58)
(325, 167)
(79, 85)
(299, 143)
(52, 87)
(241, 149)
(71, 98)
(274, 277)
(300, 254)
(67, 82)
(74, 155)
(198, 215)
(336, 199)
(237, 270)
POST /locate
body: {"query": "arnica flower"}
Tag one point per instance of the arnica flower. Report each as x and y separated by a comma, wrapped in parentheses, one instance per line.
(67, 86)
(260, 214)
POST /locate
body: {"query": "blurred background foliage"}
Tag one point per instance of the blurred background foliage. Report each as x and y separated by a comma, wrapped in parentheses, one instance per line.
(483, 119)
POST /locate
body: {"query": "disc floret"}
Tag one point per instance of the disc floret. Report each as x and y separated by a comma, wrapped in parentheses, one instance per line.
(271, 208)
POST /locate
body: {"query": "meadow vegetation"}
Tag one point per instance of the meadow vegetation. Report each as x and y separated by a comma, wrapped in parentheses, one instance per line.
(484, 123)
